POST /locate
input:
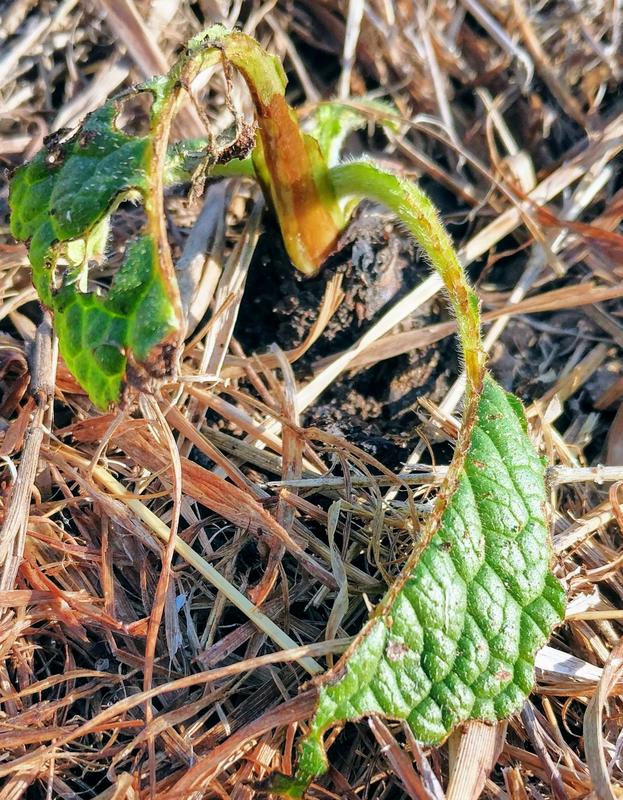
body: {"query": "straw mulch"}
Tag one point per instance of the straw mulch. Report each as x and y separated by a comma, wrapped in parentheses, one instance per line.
(132, 669)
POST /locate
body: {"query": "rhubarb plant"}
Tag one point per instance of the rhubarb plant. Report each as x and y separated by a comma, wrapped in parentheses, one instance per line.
(456, 634)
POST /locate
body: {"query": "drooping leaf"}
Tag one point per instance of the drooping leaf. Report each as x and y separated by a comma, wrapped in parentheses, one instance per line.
(287, 162)
(61, 202)
(456, 635)
(455, 639)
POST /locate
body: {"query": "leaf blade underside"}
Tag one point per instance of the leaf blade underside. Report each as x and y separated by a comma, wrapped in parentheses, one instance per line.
(61, 203)
(459, 638)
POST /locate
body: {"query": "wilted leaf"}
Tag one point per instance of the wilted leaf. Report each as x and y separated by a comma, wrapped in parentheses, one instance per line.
(455, 639)
(61, 202)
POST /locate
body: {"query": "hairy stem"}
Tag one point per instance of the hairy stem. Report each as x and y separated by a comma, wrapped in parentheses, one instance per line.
(289, 164)
(364, 179)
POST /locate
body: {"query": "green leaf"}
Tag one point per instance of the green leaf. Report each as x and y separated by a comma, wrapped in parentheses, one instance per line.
(61, 202)
(70, 187)
(455, 639)
(105, 340)
(334, 121)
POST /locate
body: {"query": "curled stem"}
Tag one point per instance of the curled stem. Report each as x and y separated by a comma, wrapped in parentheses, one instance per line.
(287, 162)
(364, 179)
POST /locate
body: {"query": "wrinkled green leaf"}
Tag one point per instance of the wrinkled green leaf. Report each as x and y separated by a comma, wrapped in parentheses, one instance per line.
(456, 638)
(456, 634)
(61, 202)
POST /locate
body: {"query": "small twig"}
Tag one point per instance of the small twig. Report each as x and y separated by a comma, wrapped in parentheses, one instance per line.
(502, 38)
(593, 721)
(233, 282)
(429, 778)
(428, 475)
(399, 761)
(151, 407)
(292, 465)
(599, 474)
(561, 92)
(440, 81)
(43, 374)
(190, 266)
(556, 476)
(534, 734)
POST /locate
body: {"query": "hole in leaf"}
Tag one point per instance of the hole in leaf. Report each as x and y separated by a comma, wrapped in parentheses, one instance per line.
(134, 116)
